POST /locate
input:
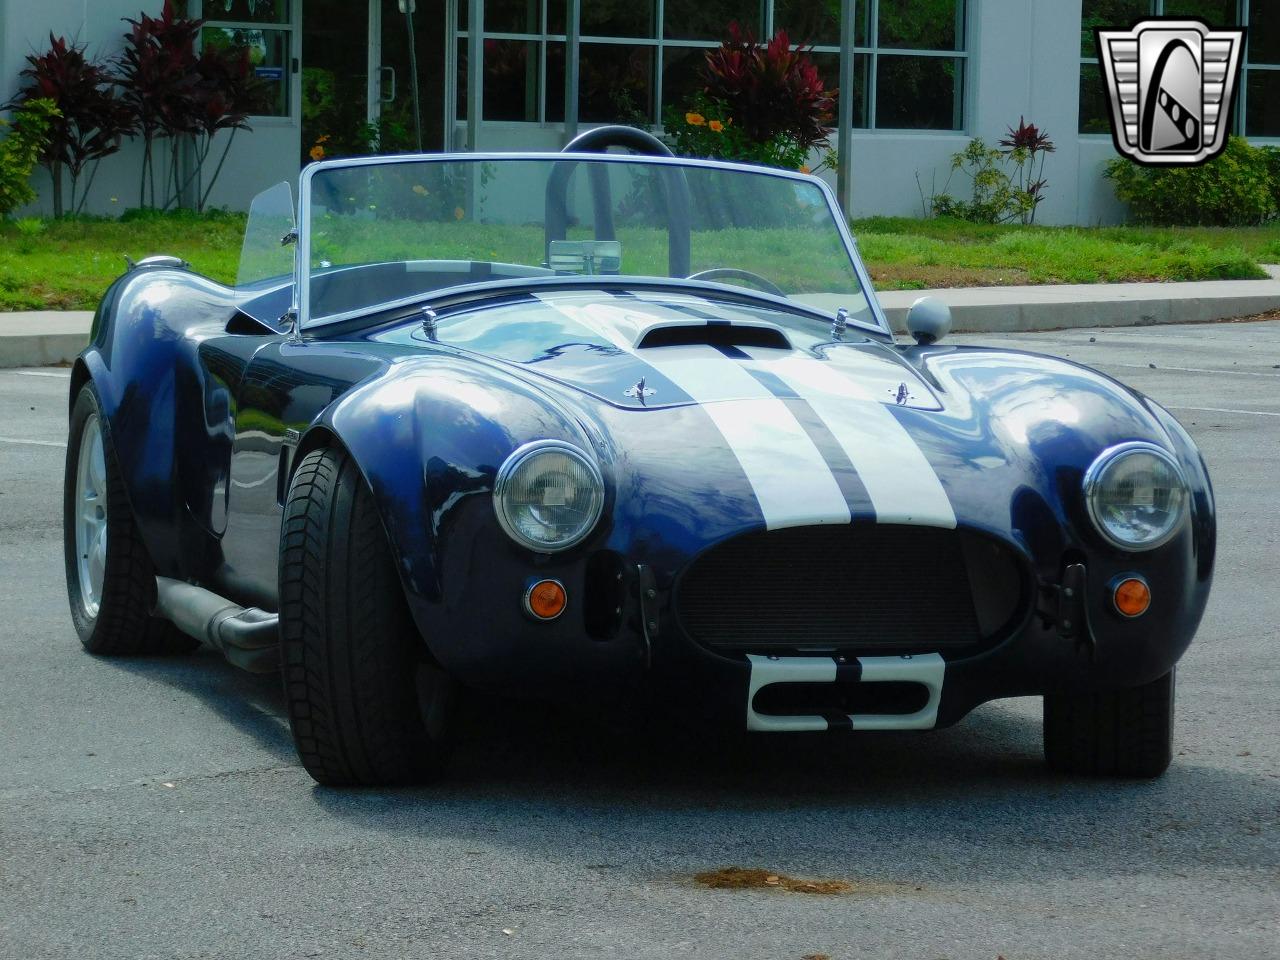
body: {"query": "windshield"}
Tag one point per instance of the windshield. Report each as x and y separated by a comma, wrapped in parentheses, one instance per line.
(389, 232)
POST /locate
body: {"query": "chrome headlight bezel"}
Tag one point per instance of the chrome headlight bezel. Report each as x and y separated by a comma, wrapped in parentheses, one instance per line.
(519, 459)
(1096, 474)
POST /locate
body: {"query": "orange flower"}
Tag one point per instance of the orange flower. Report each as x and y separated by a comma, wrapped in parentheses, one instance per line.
(694, 119)
(323, 138)
(804, 168)
(317, 152)
(716, 126)
(458, 213)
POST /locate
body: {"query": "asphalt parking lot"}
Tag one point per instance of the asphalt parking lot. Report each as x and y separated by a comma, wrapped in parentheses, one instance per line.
(153, 808)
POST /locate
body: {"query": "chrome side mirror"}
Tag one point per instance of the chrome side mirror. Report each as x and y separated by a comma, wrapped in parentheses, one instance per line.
(928, 320)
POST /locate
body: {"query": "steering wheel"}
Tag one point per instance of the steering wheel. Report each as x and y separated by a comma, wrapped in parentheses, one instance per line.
(733, 273)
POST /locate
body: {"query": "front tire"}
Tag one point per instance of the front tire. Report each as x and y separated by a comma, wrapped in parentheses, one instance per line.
(111, 583)
(1123, 733)
(366, 705)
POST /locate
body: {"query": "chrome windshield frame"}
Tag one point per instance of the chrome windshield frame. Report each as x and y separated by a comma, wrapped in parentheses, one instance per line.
(302, 284)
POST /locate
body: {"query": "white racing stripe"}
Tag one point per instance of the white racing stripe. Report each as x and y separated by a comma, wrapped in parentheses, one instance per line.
(902, 484)
(792, 481)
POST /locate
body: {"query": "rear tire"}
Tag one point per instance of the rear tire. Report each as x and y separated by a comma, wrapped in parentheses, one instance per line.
(1124, 733)
(366, 705)
(111, 583)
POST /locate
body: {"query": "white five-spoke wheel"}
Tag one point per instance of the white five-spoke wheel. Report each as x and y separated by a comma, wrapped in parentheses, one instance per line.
(91, 516)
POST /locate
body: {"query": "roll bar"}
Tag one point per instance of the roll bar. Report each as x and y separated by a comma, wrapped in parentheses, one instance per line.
(675, 192)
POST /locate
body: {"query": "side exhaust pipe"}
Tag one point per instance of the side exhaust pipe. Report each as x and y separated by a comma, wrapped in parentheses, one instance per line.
(247, 637)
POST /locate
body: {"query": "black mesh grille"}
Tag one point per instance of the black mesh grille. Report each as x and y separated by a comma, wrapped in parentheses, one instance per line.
(864, 587)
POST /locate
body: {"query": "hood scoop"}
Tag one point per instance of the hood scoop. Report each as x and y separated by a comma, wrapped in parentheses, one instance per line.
(713, 333)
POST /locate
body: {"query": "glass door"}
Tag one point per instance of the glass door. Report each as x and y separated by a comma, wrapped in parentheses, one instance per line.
(338, 99)
(409, 53)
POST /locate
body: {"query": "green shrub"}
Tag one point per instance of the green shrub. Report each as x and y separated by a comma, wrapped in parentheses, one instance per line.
(30, 230)
(1273, 167)
(1238, 189)
(20, 152)
(996, 198)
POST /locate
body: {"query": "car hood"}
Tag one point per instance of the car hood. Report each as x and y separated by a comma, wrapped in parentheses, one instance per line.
(714, 417)
(651, 351)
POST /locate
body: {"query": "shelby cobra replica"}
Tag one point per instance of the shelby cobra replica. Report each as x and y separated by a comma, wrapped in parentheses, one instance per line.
(585, 424)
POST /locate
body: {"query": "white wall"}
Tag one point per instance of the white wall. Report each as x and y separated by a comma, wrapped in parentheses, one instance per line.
(1024, 61)
(257, 160)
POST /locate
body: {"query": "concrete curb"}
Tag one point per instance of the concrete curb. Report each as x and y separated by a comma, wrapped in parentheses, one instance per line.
(42, 338)
(1027, 309)
(49, 338)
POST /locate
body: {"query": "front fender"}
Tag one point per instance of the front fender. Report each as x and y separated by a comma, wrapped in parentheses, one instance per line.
(429, 437)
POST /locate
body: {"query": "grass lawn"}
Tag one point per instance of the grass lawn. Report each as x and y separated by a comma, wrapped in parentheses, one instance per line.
(68, 264)
(907, 254)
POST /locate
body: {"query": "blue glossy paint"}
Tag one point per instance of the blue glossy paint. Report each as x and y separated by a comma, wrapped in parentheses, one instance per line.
(199, 398)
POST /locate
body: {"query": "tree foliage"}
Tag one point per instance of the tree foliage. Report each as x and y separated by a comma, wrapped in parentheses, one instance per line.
(20, 151)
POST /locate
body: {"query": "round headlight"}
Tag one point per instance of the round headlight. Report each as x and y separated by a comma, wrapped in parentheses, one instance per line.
(1136, 496)
(548, 495)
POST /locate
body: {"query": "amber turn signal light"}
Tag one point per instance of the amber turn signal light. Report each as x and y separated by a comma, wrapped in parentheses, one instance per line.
(1131, 596)
(545, 600)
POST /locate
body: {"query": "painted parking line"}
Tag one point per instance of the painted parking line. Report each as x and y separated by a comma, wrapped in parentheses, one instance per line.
(1147, 366)
(1251, 413)
(56, 374)
(34, 443)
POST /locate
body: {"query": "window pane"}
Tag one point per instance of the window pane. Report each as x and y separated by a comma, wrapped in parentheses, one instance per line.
(1219, 13)
(247, 11)
(1095, 111)
(615, 84)
(922, 24)
(461, 85)
(512, 16)
(818, 21)
(555, 82)
(609, 18)
(709, 19)
(1264, 34)
(828, 65)
(1263, 118)
(269, 57)
(1106, 14)
(510, 80)
(681, 75)
(919, 93)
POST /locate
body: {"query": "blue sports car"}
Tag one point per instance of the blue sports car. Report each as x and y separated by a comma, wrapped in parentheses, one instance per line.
(590, 425)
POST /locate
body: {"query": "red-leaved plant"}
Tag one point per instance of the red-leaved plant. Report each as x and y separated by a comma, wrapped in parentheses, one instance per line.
(90, 122)
(158, 76)
(226, 93)
(1027, 146)
(771, 90)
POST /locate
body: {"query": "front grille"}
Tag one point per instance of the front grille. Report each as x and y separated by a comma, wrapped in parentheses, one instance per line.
(863, 587)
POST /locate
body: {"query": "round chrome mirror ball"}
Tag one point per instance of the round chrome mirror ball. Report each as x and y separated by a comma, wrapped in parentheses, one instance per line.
(928, 320)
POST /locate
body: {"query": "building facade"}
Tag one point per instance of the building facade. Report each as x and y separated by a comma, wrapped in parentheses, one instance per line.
(358, 75)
